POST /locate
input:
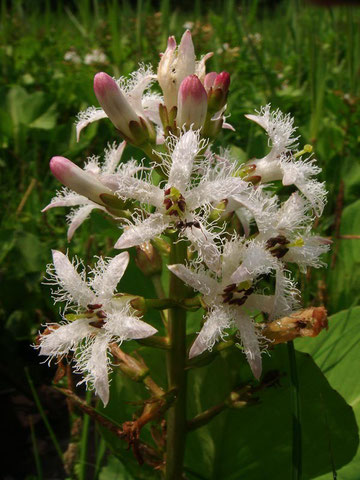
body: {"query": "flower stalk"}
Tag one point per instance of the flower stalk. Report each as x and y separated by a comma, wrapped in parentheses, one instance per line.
(176, 356)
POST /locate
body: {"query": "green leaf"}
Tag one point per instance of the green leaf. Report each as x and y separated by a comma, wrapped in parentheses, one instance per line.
(337, 354)
(344, 279)
(248, 442)
(30, 110)
(45, 121)
(114, 470)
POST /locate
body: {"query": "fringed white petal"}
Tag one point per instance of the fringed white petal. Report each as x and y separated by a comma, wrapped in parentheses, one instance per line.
(286, 297)
(113, 156)
(299, 173)
(280, 129)
(250, 342)
(308, 255)
(204, 242)
(67, 198)
(141, 80)
(199, 281)
(90, 115)
(94, 363)
(136, 189)
(151, 227)
(121, 326)
(217, 321)
(228, 126)
(256, 261)
(64, 338)
(213, 191)
(107, 274)
(150, 105)
(262, 303)
(77, 217)
(291, 216)
(70, 280)
(183, 156)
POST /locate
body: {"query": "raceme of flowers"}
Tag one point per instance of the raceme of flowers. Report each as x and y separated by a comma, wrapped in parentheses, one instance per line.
(241, 236)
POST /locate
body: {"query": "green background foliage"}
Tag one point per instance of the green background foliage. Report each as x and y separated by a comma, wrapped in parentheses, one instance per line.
(302, 59)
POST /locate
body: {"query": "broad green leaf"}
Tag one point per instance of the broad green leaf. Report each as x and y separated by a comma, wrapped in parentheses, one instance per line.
(344, 278)
(337, 354)
(248, 442)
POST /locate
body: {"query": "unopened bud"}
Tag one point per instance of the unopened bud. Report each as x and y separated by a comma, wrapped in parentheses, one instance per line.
(209, 80)
(78, 180)
(132, 127)
(240, 398)
(135, 368)
(192, 103)
(148, 259)
(218, 89)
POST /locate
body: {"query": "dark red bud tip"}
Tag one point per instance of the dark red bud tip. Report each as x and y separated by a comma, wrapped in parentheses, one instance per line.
(222, 81)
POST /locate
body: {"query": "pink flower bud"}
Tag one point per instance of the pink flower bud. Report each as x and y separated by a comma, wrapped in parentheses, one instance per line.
(78, 180)
(114, 103)
(209, 80)
(222, 81)
(192, 103)
(217, 91)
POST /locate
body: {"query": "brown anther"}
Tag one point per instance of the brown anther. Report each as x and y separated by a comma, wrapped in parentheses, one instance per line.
(101, 314)
(230, 287)
(249, 291)
(279, 240)
(181, 203)
(94, 306)
(168, 203)
(97, 323)
(279, 252)
(238, 301)
(227, 297)
(167, 191)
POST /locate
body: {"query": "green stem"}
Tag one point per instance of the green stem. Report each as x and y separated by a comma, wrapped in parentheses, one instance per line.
(176, 420)
(159, 290)
(84, 441)
(296, 420)
(204, 417)
(43, 415)
(35, 450)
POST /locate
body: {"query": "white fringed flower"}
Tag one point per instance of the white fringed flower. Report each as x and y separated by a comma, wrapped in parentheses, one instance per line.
(285, 229)
(231, 297)
(280, 164)
(135, 89)
(105, 319)
(179, 202)
(105, 174)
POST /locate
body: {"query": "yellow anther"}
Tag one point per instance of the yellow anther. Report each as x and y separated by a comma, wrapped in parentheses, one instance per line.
(307, 149)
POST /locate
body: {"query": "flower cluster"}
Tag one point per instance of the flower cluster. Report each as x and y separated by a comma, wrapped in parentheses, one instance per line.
(241, 236)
